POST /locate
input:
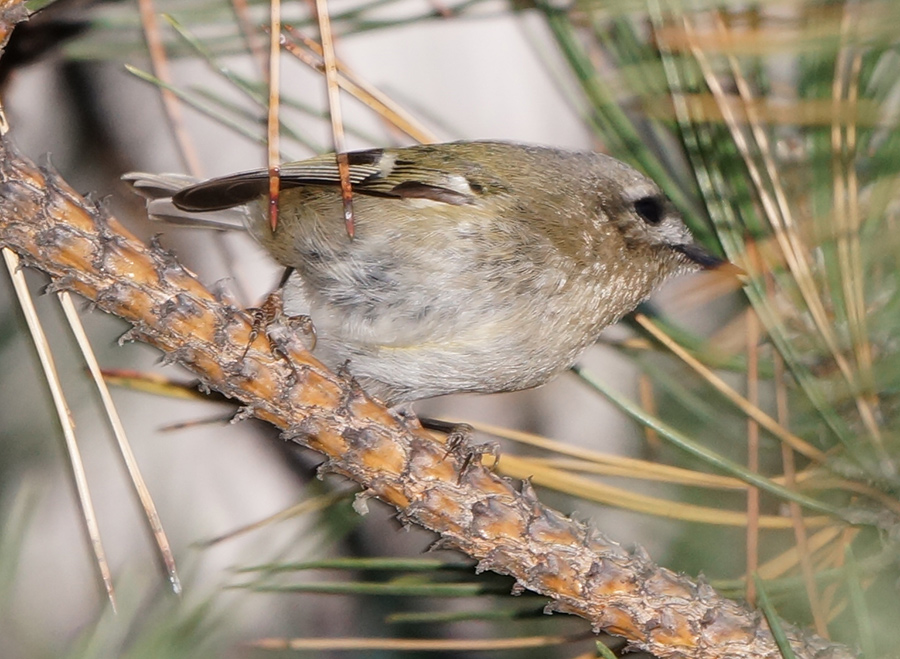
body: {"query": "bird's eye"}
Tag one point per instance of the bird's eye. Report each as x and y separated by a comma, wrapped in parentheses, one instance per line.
(650, 209)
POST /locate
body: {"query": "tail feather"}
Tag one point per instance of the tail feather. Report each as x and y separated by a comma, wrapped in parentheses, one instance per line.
(158, 189)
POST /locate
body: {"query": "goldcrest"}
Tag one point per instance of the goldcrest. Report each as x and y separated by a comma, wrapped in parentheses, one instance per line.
(475, 266)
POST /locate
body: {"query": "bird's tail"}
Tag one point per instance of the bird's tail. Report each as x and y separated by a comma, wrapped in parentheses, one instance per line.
(158, 189)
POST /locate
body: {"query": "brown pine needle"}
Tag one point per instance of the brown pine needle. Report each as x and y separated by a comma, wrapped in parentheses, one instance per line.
(648, 402)
(334, 111)
(409, 644)
(134, 471)
(65, 418)
(591, 461)
(273, 160)
(787, 459)
(154, 383)
(172, 106)
(643, 471)
(361, 90)
(250, 34)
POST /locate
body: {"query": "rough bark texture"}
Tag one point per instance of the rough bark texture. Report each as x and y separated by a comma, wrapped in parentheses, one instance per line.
(507, 530)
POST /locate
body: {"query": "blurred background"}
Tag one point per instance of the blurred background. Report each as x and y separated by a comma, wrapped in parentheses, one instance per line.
(772, 125)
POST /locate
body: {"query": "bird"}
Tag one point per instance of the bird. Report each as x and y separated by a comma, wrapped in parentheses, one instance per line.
(475, 266)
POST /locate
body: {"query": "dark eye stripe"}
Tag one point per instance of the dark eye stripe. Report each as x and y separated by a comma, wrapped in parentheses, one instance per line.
(650, 209)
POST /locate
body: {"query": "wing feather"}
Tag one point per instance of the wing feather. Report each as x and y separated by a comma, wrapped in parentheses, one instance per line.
(375, 172)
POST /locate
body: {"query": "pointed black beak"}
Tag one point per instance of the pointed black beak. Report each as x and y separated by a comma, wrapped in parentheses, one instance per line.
(700, 256)
(708, 261)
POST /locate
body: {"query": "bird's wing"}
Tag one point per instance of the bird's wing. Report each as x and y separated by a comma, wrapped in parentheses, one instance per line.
(379, 172)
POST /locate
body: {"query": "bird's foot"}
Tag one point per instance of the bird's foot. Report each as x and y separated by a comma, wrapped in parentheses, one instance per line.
(459, 438)
(271, 312)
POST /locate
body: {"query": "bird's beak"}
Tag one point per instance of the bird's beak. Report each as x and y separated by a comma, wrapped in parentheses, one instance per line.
(708, 261)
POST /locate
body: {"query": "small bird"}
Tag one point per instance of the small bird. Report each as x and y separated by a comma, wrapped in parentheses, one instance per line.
(475, 266)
